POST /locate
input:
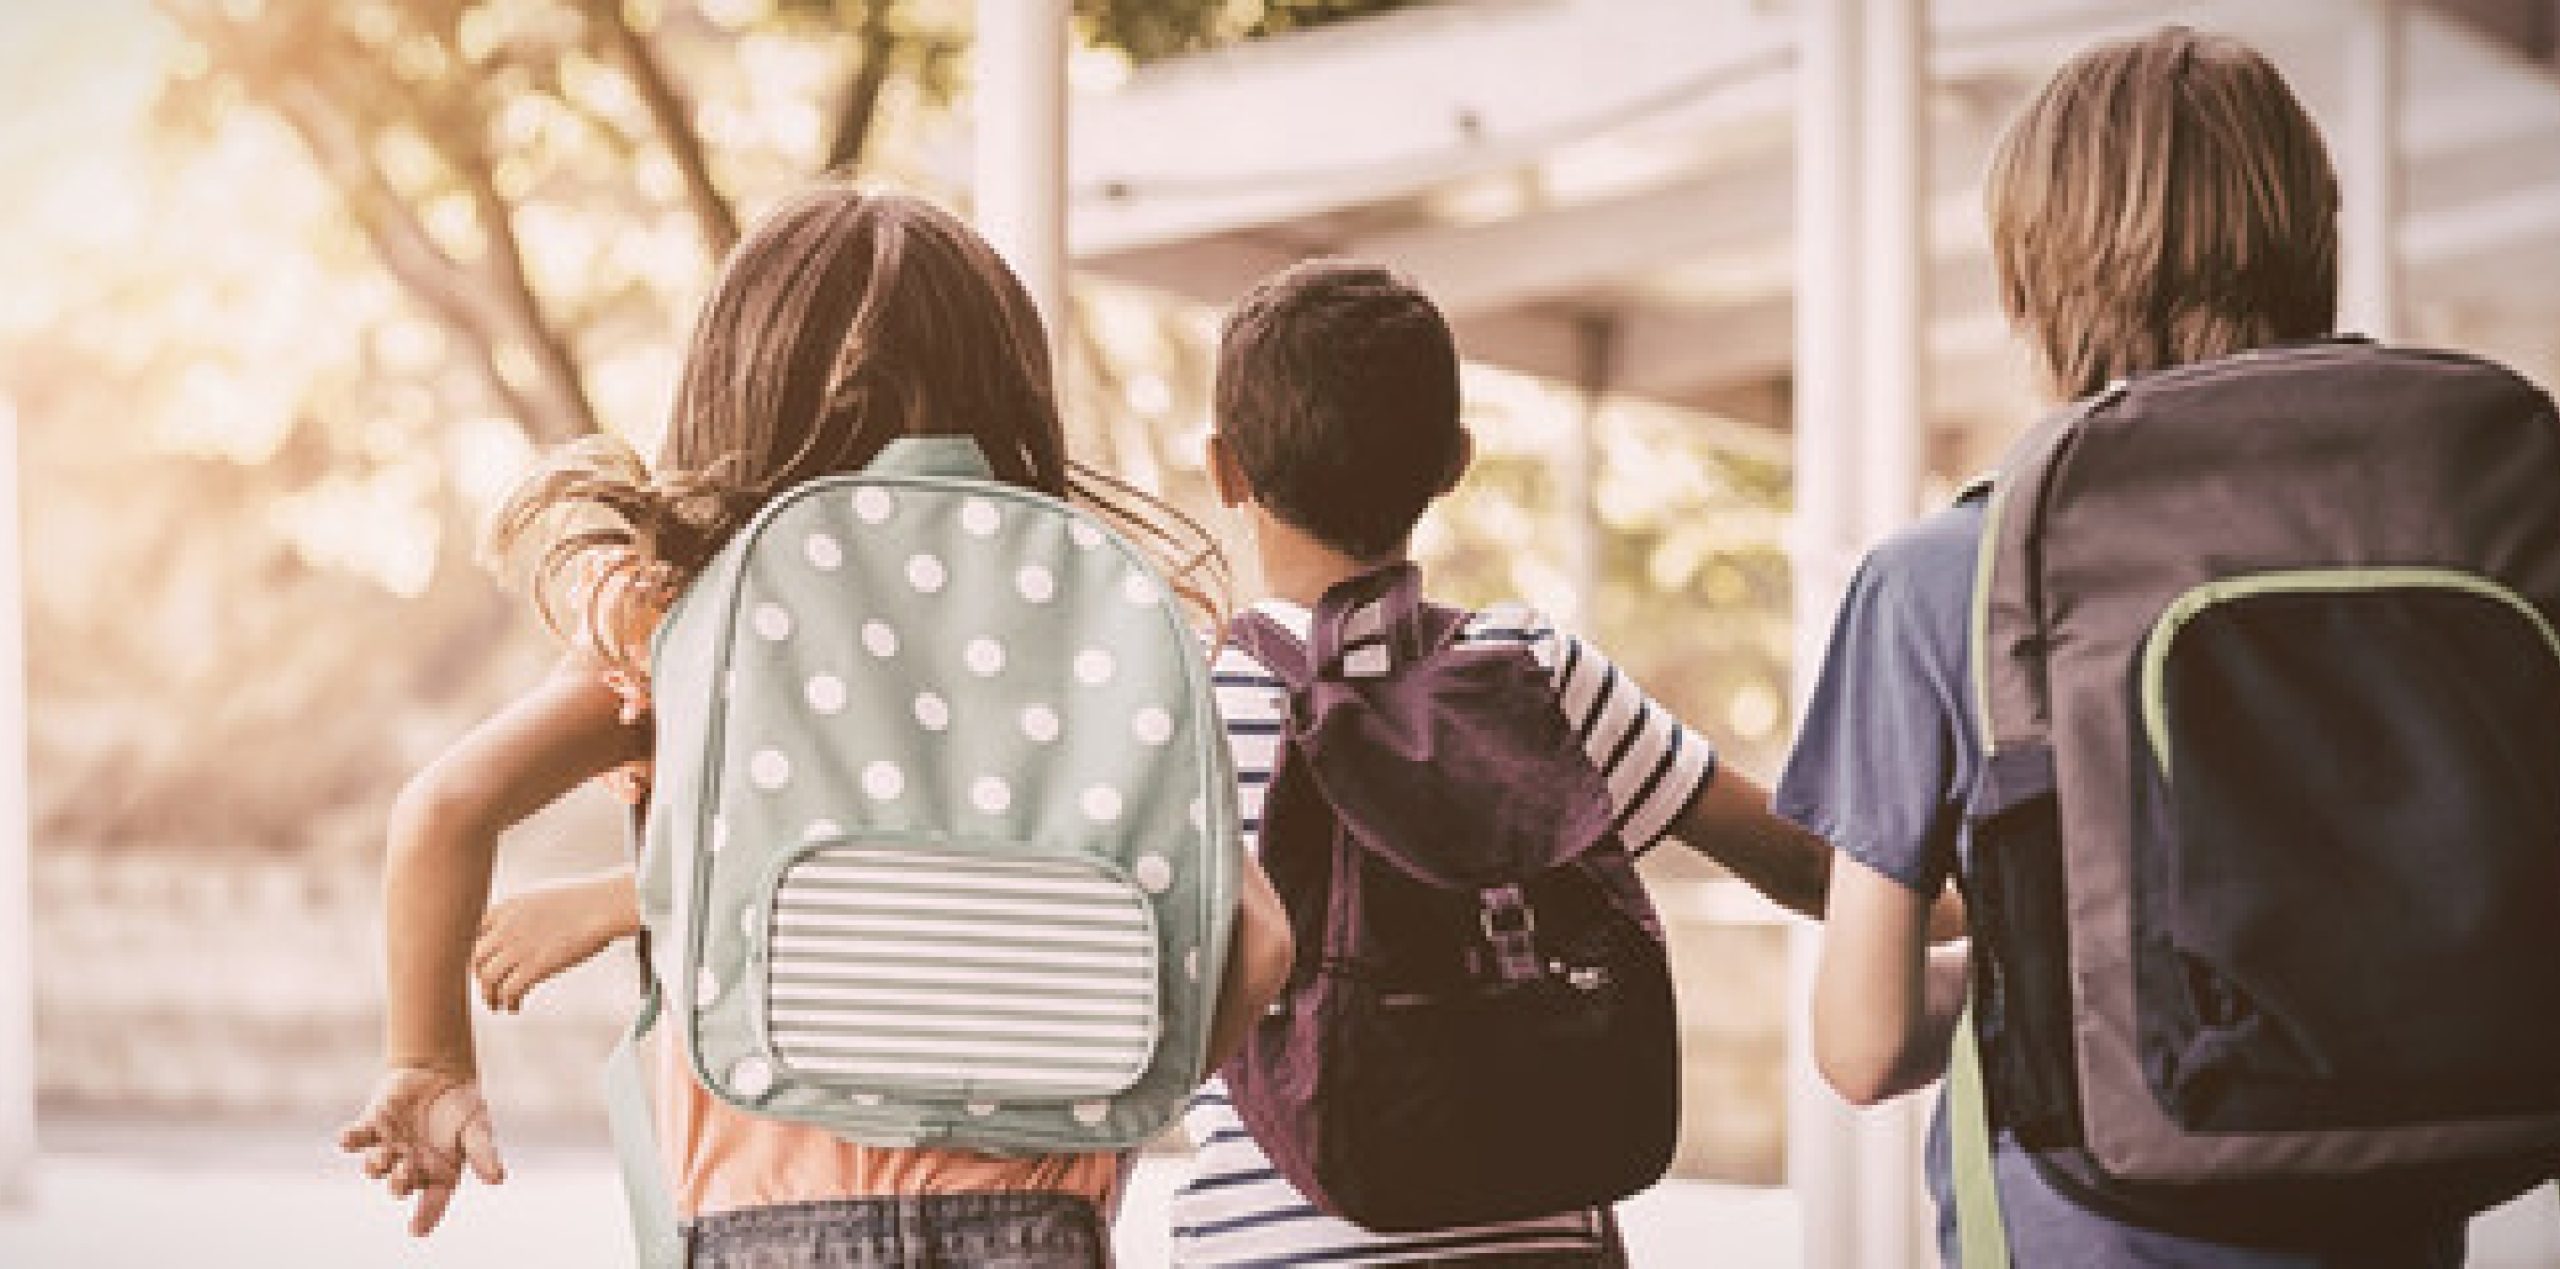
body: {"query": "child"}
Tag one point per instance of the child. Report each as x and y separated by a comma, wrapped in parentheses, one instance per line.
(1338, 424)
(2163, 201)
(844, 321)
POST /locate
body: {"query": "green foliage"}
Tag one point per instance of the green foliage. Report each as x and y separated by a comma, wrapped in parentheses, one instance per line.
(1151, 29)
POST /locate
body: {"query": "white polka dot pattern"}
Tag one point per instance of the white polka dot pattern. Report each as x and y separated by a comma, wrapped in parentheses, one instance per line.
(1101, 804)
(770, 769)
(991, 795)
(878, 639)
(826, 693)
(883, 781)
(824, 552)
(985, 657)
(1031, 652)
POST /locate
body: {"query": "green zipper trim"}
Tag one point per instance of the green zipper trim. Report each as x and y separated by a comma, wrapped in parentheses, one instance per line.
(1982, 1235)
(2196, 601)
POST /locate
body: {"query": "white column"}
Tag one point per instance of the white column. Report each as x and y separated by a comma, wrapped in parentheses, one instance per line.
(2369, 293)
(1893, 433)
(17, 959)
(1587, 546)
(1821, 1159)
(1021, 160)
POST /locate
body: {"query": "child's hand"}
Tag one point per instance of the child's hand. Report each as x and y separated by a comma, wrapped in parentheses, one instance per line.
(533, 936)
(416, 1135)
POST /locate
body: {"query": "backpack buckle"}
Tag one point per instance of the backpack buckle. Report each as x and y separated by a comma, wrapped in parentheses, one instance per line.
(1511, 927)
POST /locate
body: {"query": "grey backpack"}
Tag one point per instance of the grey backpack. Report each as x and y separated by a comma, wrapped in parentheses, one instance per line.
(942, 845)
(2266, 868)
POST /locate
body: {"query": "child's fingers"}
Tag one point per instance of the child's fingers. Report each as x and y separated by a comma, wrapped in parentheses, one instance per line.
(518, 984)
(359, 1135)
(432, 1202)
(480, 1149)
(492, 985)
(378, 1160)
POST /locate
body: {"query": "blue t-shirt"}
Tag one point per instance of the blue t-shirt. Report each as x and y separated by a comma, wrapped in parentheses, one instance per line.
(1884, 758)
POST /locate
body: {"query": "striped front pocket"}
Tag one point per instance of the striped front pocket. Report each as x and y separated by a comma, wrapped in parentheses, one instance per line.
(914, 967)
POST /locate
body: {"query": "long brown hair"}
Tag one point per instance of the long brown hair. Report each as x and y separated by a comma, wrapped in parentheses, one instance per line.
(2164, 199)
(845, 320)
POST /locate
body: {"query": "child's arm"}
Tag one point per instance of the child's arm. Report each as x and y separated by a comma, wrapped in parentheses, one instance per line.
(1884, 1002)
(1259, 955)
(1731, 823)
(425, 1118)
(528, 938)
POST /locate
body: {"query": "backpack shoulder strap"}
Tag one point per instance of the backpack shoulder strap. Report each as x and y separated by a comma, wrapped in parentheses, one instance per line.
(1261, 638)
(2009, 693)
(1982, 1234)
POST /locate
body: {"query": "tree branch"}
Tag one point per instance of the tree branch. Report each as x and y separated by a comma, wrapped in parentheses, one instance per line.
(668, 111)
(861, 108)
(438, 282)
(459, 139)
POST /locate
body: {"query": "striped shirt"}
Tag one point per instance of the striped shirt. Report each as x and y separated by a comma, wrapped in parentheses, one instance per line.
(1235, 1208)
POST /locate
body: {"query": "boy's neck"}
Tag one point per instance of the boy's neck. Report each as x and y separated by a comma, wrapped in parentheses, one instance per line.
(1297, 568)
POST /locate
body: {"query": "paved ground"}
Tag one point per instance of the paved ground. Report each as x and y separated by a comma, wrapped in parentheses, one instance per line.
(141, 1197)
(160, 1197)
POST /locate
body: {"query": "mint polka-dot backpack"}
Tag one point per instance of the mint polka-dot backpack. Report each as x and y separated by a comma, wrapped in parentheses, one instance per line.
(942, 845)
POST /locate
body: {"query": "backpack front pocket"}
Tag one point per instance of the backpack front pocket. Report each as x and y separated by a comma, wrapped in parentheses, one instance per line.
(919, 968)
(2348, 852)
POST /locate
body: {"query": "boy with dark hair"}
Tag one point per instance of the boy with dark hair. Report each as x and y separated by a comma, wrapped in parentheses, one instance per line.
(1338, 425)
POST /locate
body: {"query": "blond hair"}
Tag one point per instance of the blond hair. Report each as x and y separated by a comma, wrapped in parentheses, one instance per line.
(2164, 199)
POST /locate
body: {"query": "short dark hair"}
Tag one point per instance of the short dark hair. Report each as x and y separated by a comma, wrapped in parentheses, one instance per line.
(1337, 392)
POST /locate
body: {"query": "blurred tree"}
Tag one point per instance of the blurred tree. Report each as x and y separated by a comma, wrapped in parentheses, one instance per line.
(372, 252)
(445, 125)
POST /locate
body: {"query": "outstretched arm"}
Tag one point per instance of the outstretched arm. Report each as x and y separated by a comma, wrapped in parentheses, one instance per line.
(1730, 822)
(426, 1117)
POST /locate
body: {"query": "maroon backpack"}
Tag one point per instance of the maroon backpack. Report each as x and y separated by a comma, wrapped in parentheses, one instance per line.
(1480, 1023)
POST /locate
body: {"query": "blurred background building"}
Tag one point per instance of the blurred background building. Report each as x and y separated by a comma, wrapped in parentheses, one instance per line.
(297, 287)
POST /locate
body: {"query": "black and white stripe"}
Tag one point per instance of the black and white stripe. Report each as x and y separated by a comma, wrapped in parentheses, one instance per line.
(1235, 1210)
